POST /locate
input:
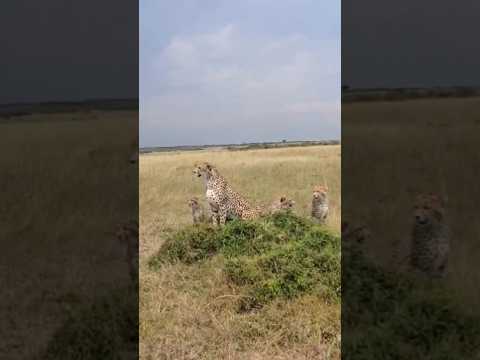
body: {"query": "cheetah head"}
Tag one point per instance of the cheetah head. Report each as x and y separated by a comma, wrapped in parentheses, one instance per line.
(286, 203)
(204, 169)
(193, 203)
(320, 192)
(428, 208)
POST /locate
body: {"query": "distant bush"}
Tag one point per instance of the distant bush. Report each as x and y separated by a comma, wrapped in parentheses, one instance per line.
(388, 316)
(280, 256)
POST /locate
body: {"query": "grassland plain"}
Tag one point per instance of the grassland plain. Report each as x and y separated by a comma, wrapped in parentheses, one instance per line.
(391, 152)
(191, 312)
(407, 147)
(49, 268)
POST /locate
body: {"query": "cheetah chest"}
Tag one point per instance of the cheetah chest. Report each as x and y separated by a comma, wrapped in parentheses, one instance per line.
(211, 196)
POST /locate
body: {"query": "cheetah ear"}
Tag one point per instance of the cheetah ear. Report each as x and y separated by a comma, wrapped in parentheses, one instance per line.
(283, 199)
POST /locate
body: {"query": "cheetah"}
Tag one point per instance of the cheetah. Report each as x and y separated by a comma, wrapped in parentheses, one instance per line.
(281, 204)
(127, 233)
(430, 244)
(198, 212)
(223, 200)
(320, 204)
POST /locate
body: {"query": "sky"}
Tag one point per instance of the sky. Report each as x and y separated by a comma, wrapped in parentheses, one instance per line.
(410, 43)
(220, 71)
(54, 50)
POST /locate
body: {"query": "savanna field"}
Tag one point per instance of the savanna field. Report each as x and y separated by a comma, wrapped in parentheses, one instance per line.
(61, 267)
(395, 150)
(392, 151)
(267, 289)
(263, 289)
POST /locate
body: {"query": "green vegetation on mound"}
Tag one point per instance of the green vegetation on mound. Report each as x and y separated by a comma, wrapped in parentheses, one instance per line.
(107, 328)
(281, 256)
(389, 316)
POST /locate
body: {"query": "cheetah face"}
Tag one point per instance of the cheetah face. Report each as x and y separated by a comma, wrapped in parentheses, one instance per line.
(197, 171)
(204, 169)
(193, 203)
(427, 209)
(320, 193)
(286, 203)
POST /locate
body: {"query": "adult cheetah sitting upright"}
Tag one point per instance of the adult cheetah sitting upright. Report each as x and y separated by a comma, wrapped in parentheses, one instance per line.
(320, 204)
(223, 200)
(430, 244)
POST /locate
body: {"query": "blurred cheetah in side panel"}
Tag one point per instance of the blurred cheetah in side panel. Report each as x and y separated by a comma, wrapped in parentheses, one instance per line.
(430, 240)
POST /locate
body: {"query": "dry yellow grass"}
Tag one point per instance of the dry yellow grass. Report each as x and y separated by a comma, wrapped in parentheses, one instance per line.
(189, 312)
(63, 192)
(395, 150)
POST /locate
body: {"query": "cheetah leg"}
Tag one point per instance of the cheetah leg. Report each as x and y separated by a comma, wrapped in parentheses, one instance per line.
(215, 218)
(213, 214)
(222, 216)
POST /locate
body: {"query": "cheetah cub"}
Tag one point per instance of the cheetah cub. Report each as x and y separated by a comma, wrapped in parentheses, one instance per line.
(198, 212)
(320, 204)
(430, 243)
(282, 204)
(127, 233)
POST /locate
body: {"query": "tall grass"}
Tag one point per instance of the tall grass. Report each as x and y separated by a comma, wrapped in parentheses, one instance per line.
(190, 308)
(63, 184)
(394, 150)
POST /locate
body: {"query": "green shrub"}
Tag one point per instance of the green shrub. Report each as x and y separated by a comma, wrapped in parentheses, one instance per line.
(192, 244)
(281, 256)
(288, 271)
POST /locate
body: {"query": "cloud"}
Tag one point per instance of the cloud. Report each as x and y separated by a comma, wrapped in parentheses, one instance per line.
(229, 86)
